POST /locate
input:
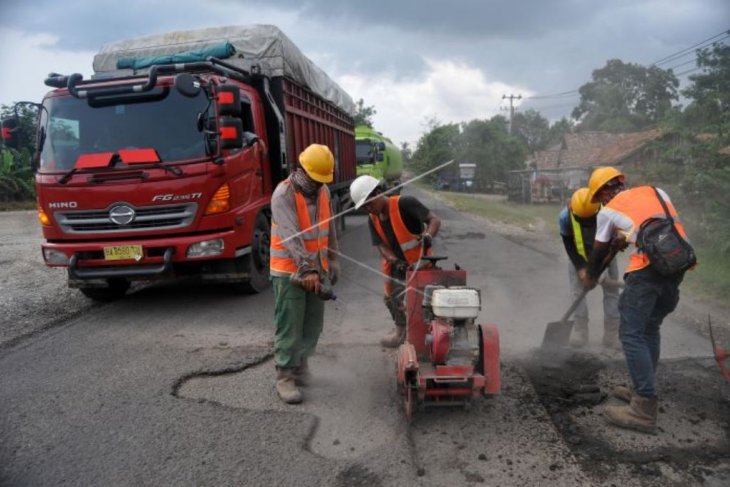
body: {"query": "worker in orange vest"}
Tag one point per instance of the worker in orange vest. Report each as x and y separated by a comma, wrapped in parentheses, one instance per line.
(577, 223)
(650, 293)
(403, 230)
(303, 257)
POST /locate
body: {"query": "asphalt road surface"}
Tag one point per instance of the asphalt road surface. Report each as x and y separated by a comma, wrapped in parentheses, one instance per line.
(173, 385)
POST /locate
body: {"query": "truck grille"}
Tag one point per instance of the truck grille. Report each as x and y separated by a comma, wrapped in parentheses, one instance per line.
(148, 218)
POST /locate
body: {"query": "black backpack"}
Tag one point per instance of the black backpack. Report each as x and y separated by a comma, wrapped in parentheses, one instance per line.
(658, 238)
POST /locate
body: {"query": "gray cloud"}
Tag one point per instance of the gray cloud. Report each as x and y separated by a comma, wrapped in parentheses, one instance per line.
(537, 45)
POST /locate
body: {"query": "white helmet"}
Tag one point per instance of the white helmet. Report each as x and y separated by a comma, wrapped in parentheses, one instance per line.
(361, 188)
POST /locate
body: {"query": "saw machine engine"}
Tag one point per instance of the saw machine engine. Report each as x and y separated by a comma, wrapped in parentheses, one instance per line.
(447, 359)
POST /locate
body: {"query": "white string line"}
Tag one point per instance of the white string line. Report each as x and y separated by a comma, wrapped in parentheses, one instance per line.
(405, 285)
(349, 210)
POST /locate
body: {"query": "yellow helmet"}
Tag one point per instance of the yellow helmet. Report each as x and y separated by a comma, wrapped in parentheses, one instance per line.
(600, 176)
(318, 162)
(581, 206)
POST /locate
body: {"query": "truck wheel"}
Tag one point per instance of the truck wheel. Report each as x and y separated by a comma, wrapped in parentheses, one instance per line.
(116, 290)
(256, 264)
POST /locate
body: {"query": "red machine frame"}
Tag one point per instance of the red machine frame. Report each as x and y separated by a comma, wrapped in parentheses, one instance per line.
(423, 377)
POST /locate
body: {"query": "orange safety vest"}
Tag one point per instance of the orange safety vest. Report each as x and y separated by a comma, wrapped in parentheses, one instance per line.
(409, 243)
(638, 205)
(315, 237)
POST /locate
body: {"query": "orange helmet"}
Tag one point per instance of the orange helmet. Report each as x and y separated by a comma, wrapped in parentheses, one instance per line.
(581, 206)
(599, 178)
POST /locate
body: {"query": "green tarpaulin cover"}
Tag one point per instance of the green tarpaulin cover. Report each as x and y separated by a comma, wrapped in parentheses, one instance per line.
(221, 51)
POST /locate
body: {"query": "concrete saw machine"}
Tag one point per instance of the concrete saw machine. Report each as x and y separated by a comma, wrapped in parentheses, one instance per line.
(447, 359)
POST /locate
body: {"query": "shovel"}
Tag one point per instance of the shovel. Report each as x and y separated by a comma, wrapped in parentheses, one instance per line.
(557, 333)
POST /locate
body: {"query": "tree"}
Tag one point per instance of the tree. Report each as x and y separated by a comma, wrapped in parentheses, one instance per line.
(16, 177)
(532, 128)
(487, 144)
(435, 147)
(406, 153)
(364, 114)
(625, 97)
(709, 109)
(558, 130)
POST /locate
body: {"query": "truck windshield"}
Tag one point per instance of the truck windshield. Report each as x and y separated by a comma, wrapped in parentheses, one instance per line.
(364, 152)
(163, 120)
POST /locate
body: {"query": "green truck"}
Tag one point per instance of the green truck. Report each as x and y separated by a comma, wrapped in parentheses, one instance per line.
(377, 156)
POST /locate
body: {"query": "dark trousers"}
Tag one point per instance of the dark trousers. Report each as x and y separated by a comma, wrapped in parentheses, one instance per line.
(396, 301)
(647, 299)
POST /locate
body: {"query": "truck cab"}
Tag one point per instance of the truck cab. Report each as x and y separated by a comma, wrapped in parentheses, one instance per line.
(169, 170)
(377, 156)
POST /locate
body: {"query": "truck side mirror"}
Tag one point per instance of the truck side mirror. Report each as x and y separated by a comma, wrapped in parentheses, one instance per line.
(230, 131)
(380, 157)
(249, 138)
(187, 85)
(229, 101)
(381, 145)
(10, 136)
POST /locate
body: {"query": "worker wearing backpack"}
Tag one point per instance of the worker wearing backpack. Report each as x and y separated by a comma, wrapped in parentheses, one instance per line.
(645, 217)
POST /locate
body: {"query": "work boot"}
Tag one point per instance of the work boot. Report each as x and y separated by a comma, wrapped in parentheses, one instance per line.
(623, 393)
(394, 338)
(302, 374)
(639, 414)
(610, 334)
(579, 337)
(286, 386)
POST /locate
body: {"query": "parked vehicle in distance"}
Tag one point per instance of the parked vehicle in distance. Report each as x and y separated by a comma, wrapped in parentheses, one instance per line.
(377, 156)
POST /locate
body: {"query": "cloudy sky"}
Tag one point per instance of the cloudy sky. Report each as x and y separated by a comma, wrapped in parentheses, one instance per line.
(414, 60)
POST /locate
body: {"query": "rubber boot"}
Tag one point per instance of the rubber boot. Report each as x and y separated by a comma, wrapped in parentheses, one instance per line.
(303, 376)
(286, 386)
(638, 415)
(394, 338)
(623, 393)
(610, 334)
(579, 337)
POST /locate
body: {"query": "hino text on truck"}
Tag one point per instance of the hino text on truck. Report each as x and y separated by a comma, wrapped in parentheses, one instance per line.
(163, 164)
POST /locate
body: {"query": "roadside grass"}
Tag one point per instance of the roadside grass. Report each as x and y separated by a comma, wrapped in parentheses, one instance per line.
(17, 205)
(711, 277)
(528, 217)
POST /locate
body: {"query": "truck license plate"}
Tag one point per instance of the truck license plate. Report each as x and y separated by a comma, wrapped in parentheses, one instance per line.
(123, 252)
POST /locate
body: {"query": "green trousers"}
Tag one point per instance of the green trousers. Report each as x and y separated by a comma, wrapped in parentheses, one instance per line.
(299, 317)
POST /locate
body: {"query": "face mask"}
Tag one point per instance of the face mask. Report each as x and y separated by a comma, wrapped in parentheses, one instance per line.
(304, 183)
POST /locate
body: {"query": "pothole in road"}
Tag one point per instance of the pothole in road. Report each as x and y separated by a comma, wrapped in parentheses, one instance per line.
(351, 394)
(693, 441)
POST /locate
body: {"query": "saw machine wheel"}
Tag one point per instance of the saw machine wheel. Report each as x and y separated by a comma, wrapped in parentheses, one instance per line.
(410, 396)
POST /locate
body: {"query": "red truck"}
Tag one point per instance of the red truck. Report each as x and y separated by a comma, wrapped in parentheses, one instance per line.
(163, 164)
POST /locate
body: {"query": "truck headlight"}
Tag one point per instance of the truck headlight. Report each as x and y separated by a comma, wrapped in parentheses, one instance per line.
(206, 248)
(53, 256)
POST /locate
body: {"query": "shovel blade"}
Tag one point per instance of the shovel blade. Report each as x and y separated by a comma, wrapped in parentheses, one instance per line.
(557, 334)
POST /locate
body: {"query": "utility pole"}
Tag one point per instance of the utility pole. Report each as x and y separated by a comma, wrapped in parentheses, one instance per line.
(511, 99)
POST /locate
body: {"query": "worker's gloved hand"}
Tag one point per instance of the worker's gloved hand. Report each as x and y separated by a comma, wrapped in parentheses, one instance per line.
(310, 282)
(334, 273)
(619, 243)
(400, 266)
(426, 240)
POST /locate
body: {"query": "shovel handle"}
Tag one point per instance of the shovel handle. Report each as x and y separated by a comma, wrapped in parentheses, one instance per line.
(609, 257)
(575, 304)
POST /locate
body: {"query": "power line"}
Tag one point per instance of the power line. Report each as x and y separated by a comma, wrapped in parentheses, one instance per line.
(682, 64)
(671, 57)
(666, 59)
(554, 95)
(690, 71)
